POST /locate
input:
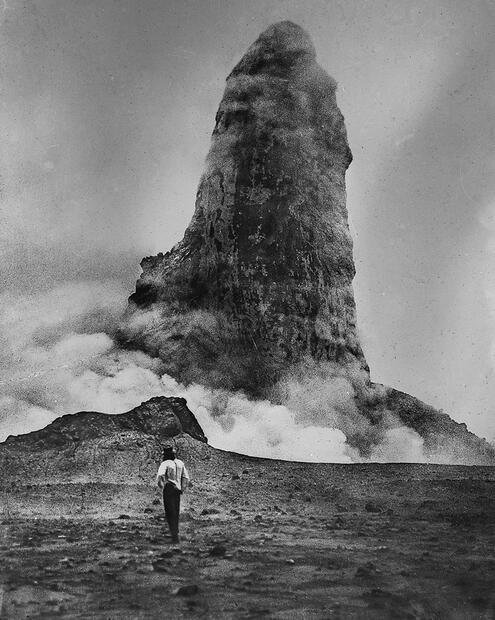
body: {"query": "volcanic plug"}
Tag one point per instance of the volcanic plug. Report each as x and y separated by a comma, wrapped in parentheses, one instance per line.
(263, 275)
(257, 297)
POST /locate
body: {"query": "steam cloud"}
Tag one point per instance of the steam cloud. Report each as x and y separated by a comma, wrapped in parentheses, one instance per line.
(59, 356)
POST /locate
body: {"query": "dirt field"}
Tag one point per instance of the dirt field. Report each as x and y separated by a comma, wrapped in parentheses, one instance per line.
(260, 539)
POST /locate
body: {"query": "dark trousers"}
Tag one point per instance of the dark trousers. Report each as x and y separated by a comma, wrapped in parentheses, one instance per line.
(171, 504)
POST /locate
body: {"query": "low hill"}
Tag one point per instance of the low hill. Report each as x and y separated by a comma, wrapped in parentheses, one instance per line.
(91, 446)
(84, 535)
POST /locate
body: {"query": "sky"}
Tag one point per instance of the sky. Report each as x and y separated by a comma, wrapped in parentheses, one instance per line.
(106, 112)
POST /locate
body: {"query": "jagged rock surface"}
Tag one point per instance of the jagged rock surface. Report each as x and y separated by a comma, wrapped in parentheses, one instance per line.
(98, 447)
(268, 253)
(262, 280)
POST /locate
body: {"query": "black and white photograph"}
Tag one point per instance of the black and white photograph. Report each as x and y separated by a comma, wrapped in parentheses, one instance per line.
(247, 309)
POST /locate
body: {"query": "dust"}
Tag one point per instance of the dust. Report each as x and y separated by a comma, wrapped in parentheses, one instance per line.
(59, 355)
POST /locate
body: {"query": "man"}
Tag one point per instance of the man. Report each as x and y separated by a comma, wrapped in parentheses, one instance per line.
(173, 479)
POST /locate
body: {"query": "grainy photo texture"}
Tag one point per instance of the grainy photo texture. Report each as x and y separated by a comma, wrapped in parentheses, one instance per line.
(284, 410)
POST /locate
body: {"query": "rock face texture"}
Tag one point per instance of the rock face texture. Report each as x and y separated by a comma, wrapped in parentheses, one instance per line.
(268, 254)
(260, 286)
(90, 446)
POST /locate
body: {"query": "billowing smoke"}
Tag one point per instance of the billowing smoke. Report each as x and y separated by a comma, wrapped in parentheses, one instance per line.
(59, 356)
(261, 428)
(311, 404)
(308, 430)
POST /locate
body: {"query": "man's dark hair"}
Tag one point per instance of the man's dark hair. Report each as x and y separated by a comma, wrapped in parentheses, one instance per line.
(168, 454)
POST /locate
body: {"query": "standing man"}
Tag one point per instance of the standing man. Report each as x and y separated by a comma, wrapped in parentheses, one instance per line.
(172, 478)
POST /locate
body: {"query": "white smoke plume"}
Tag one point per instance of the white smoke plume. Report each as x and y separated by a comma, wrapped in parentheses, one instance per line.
(58, 356)
(233, 422)
(314, 424)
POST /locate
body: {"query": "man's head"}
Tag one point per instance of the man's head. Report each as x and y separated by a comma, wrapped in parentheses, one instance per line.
(168, 453)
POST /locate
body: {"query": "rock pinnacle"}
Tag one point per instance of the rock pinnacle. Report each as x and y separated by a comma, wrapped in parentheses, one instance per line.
(263, 275)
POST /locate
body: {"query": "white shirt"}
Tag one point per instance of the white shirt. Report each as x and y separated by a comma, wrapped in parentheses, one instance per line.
(174, 472)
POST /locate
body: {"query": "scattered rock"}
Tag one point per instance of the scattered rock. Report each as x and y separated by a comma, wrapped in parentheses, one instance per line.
(372, 507)
(290, 561)
(339, 522)
(210, 511)
(218, 551)
(168, 554)
(367, 570)
(160, 566)
(189, 590)
(123, 517)
(148, 511)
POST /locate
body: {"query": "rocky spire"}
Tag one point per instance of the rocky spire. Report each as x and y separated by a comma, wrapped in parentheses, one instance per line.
(258, 294)
(268, 254)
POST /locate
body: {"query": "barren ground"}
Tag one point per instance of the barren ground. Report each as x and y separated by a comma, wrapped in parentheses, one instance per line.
(260, 539)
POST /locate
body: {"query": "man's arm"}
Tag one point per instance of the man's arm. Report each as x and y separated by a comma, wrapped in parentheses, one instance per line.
(160, 481)
(185, 479)
(161, 476)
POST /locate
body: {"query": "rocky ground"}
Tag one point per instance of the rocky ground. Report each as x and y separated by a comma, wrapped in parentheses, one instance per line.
(259, 539)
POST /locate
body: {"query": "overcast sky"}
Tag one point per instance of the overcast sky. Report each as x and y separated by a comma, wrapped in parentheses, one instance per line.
(107, 107)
